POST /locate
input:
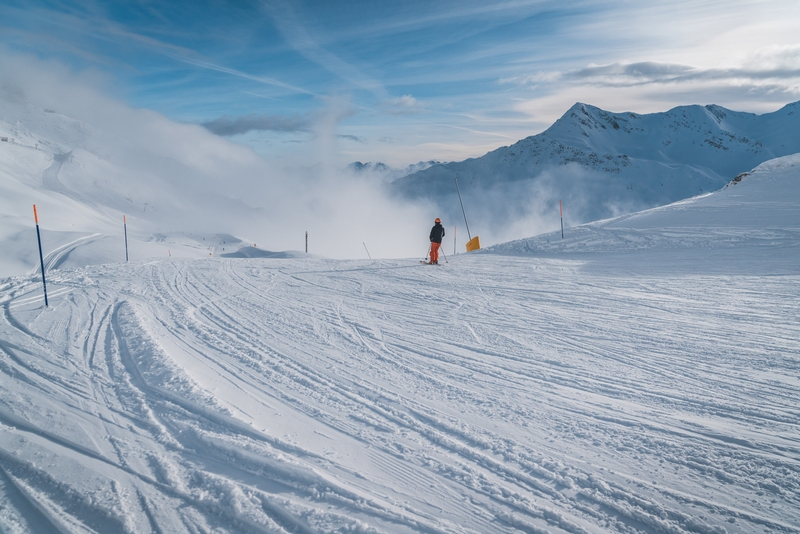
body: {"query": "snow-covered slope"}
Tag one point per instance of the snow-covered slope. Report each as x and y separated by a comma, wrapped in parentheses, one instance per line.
(494, 393)
(84, 178)
(756, 218)
(603, 164)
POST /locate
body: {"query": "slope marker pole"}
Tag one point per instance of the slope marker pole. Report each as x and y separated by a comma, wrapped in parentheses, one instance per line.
(306, 242)
(561, 212)
(454, 239)
(365, 248)
(41, 257)
(462, 208)
(125, 227)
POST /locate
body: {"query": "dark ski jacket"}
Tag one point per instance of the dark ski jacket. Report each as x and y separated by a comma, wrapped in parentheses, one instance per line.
(437, 233)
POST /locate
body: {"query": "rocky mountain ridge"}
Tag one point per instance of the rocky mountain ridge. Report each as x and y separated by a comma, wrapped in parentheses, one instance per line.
(606, 164)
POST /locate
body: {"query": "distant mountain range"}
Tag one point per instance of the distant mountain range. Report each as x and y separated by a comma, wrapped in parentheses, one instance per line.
(603, 164)
(385, 172)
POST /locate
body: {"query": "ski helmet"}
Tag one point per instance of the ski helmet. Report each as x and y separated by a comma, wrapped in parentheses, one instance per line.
(438, 220)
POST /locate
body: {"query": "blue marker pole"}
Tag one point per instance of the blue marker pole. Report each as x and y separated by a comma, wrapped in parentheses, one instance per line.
(125, 227)
(41, 257)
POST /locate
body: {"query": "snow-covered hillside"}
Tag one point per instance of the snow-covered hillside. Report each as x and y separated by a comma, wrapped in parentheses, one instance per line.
(755, 219)
(543, 392)
(85, 177)
(603, 164)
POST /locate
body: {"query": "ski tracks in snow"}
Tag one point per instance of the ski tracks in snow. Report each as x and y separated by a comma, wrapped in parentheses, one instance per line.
(319, 396)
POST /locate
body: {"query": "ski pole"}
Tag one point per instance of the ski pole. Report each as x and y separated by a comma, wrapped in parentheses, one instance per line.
(428, 253)
(445, 255)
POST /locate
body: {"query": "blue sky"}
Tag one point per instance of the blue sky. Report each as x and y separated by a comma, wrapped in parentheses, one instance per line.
(401, 82)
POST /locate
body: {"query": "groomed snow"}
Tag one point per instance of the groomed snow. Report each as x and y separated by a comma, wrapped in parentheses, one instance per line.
(564, 389)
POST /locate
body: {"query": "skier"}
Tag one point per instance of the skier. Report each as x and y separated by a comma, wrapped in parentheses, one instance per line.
(437, 233)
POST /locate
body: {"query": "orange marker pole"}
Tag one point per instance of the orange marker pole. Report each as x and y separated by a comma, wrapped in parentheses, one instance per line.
(125, 227)
(561, 213)
(41, 256)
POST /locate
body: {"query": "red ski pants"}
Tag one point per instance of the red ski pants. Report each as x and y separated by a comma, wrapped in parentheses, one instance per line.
(435, 251)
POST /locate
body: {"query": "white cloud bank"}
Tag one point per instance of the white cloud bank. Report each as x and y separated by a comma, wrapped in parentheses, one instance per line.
(182, 177)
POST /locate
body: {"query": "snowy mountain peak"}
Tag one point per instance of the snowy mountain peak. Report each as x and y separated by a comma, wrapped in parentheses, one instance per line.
(604, 164)
(713, 126)
(718, 112)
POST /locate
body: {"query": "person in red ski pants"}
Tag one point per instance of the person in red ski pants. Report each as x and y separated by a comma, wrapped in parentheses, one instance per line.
(437, 233)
